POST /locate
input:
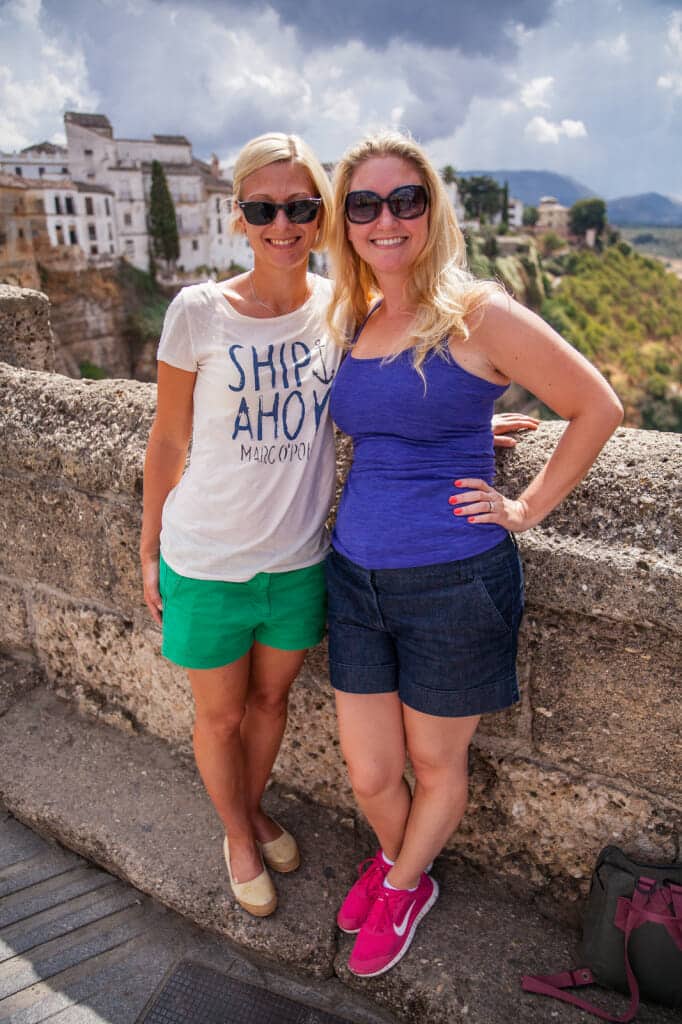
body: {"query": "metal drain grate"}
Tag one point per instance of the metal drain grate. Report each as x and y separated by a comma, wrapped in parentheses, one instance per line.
(195, 994)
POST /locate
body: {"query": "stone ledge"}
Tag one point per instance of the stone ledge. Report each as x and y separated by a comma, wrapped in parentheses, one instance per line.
(130, 805)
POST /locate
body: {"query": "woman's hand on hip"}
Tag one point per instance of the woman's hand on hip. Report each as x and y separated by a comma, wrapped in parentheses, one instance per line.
(481, 503)
(150, 586)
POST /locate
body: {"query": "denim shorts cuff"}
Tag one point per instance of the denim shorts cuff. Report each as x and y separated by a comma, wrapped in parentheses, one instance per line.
(362, 678)
(463, 703)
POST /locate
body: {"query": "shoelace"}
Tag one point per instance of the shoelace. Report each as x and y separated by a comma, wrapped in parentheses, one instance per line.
(385, 908)
(368, 866)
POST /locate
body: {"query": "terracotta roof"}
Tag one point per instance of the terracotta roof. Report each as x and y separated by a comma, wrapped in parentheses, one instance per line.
(88, 120)
(172, 140)
(46, 147)
(12, 181)
(85, 186)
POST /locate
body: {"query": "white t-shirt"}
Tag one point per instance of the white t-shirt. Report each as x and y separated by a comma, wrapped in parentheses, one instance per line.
(260, 480)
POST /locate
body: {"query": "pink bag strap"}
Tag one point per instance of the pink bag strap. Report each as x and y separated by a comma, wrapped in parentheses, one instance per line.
(630, 914)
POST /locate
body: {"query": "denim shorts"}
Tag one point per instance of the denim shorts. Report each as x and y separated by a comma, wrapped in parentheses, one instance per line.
(443, 636)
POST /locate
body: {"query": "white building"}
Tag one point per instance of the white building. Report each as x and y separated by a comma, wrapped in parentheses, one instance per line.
(44, 160)
(552, 216)
(79, 214)
(96, 193)
(515, 212)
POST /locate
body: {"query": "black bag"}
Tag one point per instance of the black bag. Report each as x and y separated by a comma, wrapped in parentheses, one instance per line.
(632, 937)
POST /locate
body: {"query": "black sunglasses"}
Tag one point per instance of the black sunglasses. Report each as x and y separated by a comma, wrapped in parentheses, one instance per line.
(298, 211)
(406, 202)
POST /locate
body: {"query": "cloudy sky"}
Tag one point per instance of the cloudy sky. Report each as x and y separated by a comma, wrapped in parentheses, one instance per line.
(589, 88)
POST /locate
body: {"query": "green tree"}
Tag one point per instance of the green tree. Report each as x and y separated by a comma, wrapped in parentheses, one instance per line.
(448, 174)
(586, 214)
(481, 195)
(505, 203)
(530, 216)
(163, 226)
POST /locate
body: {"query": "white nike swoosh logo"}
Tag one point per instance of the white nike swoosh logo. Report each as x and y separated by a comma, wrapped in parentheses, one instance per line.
(400, 929)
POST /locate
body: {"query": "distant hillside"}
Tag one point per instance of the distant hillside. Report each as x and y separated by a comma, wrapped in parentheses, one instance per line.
(649, 208)
(531, 186)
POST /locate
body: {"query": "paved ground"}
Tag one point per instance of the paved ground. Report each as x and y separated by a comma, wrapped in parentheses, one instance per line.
(78, 946)
(132, 806)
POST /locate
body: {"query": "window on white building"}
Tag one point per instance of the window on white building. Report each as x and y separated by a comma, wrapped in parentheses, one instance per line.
(65, 170)
(73, 237)
(87, 152)
(107, 207)
(92, 232)
(111, 234)
(57, 204)
(18, 171)
(195, 244)
(130, 247)
(93, 250)
(128, 219)
(217, 204)
(89, 209)
(219, 225)
(68, 201)
(41, 171)
(60, 234)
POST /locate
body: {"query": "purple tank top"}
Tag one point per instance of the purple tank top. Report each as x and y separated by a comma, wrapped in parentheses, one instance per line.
(410, 445)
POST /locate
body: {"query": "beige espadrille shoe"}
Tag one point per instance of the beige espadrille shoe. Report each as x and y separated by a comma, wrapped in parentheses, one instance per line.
(281, 854)
(257, 896)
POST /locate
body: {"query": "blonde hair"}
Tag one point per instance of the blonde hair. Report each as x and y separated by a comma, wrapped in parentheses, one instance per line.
(440, 286)
(274, 148)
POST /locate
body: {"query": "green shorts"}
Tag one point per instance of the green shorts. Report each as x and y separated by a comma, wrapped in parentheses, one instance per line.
(210, 623)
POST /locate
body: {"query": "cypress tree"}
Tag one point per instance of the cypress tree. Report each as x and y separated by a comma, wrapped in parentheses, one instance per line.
(163, 226)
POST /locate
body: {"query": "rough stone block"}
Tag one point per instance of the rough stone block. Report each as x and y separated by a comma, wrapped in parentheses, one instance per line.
(89, 434)
(609, 700)
(55, 536)
(25, 333)
(601, 580)
(310, 758)
(107, 666)
(632, 496)
(14, 631)
(122, 525)
(546, 826)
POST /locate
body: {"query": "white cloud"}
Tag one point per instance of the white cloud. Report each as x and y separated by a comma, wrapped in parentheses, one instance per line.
(617, 47)
(539, 129)
(672, 81)
(49, 76)
(534, 93)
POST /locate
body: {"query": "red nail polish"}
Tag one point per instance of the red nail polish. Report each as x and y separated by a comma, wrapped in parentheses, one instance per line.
(471, 519)
(458, 483)
(458, 511)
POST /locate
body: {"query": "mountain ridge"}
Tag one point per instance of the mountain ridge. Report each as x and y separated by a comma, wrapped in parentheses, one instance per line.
(650, 209)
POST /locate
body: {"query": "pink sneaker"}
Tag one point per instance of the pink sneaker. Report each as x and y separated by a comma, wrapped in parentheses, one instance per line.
(358, 902)
(389, 929)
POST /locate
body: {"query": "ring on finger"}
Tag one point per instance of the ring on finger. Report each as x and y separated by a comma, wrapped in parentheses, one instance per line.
(491, 506)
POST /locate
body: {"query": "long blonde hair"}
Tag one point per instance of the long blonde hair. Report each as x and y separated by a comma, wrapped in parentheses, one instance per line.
(273, 148)
(440, 286)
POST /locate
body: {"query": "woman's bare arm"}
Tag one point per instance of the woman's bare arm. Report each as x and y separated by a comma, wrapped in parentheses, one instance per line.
(522, 347)
(164, 464)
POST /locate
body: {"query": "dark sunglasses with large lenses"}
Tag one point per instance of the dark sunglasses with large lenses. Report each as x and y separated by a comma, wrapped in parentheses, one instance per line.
(406, 202)
(298, 211)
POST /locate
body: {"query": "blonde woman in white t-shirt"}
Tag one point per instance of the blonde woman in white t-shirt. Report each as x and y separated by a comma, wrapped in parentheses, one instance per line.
(232, 546)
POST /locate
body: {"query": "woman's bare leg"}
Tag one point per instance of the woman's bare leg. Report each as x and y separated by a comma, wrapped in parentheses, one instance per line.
(438, 749)
(272, 673)
(373, 743)
(220, 699)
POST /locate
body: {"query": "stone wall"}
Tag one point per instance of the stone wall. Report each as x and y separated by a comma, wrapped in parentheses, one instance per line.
(591, 754)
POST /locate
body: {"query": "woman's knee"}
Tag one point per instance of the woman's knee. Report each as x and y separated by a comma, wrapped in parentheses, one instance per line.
(222, 726)
(440, 768)
(269, 702)
(370, 779)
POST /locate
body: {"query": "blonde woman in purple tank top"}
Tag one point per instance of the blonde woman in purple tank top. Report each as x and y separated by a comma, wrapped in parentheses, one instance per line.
(424, 580)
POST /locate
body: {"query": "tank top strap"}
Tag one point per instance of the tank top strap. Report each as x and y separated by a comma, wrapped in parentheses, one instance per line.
(362, 325)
